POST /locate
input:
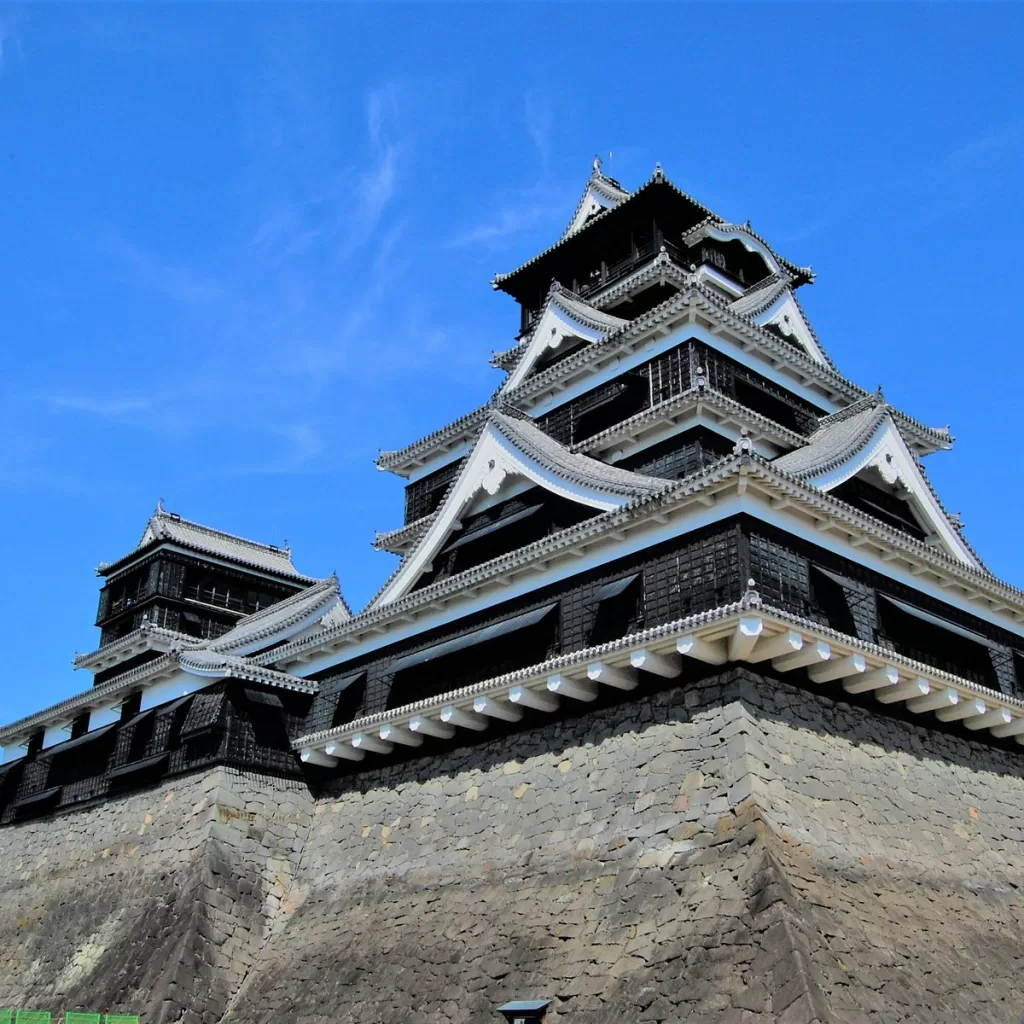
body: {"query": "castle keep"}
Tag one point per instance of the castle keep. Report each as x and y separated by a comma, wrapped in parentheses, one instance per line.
(687, 700)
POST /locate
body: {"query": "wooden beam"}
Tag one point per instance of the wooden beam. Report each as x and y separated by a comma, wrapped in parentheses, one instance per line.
(666, 665)
(539, 700)
(812, 653)
(839, 668)
(494, 708)
(875, 679)
(611, 675)
(912, 688)
(578, 689)
(947, 698)
(344, 750)
(1005, 729)
(995, 717)
(430, 727)
(713, 653)
(317, 757)
(464, 719)
(745, 637)
(365, 741)
(788, 642)
(391, 733)
(973, 707)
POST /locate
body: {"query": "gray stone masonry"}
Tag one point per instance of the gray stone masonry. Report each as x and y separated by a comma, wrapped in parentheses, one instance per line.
(738, 851)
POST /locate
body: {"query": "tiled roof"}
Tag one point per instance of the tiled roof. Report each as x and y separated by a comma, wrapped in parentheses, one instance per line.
(693, 294)
(733, 467)
(398, 539)
(577, 469)
(697, 232)
(658, 178)
(166, 527)
(841, 436)
(581, 310)
(575, 308)
(453, 431)
(226, 666)
(268, 623)
(686, 402)
(607, 188)
(759, 297)
(836, 439)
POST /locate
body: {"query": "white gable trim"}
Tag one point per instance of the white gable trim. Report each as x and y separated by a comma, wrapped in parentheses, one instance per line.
(556, 326)
(596, 199)
(786, 315)
(735, 233)
(494, 464)
(887, 452)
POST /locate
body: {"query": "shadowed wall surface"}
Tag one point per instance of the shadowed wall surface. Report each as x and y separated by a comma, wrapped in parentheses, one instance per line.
(737, 850)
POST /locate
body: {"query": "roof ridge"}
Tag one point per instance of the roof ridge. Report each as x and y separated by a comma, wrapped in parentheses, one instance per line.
(163, 515)
(657, 178)
(570, 465)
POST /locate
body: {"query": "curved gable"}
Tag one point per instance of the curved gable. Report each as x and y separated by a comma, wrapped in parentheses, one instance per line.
(507, 453)
(870, 440)
(563, 319)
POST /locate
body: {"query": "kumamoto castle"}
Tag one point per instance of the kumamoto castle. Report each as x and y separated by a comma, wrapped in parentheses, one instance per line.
(688, 700)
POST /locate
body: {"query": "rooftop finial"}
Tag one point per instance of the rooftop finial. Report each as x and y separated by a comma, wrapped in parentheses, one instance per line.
(160, 510)
(658, 172)
(597, 165)
(287, 549)
(751, 598)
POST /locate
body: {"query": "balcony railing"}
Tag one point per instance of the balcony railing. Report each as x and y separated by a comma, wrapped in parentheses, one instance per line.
(219, 597)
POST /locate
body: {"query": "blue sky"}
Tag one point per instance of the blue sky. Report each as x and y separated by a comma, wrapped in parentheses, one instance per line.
(245, 247)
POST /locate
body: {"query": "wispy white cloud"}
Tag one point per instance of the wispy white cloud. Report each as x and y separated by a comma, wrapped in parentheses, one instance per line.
(981, 150)
(181, 284)
(10, 36)
(519, 211)
(507, 223)
(110, 408)
(539, 119)
(290, 448)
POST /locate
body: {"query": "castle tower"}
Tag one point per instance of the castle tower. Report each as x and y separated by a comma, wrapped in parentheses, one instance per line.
(687, 699)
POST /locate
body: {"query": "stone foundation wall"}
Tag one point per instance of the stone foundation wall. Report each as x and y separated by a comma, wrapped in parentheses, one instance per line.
(156, 903)
(735, 851)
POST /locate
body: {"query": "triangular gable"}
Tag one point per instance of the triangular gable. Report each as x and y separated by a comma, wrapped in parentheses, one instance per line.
(507, 453)
(870, 439)
(785, 314)
(601, 194)
(563, 317)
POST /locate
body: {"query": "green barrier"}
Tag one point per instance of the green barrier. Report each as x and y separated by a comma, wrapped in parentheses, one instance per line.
(33, 1017)
(80, 1018)
(121, 1018)
(6, 1016)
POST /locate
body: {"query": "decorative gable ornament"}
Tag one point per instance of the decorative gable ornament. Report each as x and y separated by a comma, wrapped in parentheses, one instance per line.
(863, 438)
(508, 451)
(601, 194)
(564, 317)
